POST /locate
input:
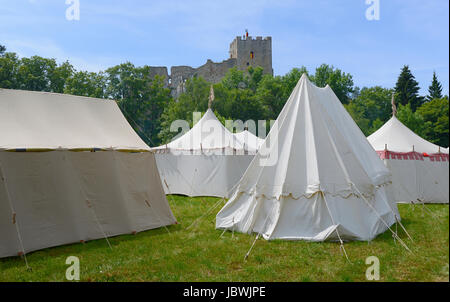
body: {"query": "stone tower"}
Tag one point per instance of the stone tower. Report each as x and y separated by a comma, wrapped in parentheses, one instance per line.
(244, 52)
(253, 52)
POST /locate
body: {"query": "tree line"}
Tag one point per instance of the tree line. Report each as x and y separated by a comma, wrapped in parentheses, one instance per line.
(148, 105)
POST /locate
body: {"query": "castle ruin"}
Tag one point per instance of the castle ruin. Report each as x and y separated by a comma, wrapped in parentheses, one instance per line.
(244, 52)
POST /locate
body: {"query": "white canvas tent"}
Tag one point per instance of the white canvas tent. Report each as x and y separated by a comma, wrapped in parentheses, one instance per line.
(208, 160)
(420, 170)
(326, 182)
(72, 169)
(250, 141)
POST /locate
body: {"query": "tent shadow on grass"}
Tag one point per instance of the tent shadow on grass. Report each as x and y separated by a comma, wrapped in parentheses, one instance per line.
(91, 245)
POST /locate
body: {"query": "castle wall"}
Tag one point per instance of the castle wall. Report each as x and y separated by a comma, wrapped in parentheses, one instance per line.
(178, 75)
(214, 72)
(240, 56)
(161, 71)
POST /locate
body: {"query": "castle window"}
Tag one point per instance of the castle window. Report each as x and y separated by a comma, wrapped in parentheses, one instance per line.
(252, 55)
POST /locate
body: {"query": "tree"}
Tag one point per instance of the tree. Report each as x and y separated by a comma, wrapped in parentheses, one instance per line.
(435, 89)
(255, 76)
(340, 82)
(2, 50)
(371, 108)
(59, 76)
(435, 116)
(9, 66)
(235, 95)
(412, 120)
(35, 73)
(194, 99)
(140, 96)
(291, 79)
(273, 92)
(237, 104)
(407, 89)
(234, 79)
(85, 83)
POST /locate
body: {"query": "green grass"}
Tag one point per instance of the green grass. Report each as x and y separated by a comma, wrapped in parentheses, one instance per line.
(202, 255)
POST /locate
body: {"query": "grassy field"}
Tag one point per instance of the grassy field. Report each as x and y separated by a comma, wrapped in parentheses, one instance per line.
(202, 255)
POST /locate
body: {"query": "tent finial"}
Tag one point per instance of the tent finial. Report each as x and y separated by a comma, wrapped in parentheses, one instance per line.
(211, 96)
(394, 108)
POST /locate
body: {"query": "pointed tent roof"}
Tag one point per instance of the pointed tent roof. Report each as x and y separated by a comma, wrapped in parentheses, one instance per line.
(43, 120)
(207, 133)
(318, 146)
(399, 138)
(249, 140)
(313, 147)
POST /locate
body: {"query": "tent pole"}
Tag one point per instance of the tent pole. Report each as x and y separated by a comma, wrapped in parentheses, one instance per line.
(232, 233)
(259, 234)
(226, 229)
(89, 205)
(167, 185)
(156, 214)
(192, 186)
(404, 229)
(214, 206)
(381, 219)
(251, 247)
(8, 196)
(334, 223)
(206, 213)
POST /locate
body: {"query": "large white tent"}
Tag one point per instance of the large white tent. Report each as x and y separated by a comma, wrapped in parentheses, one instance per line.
(72, 169)
(208, 160)
(420, 170)
(315, 177)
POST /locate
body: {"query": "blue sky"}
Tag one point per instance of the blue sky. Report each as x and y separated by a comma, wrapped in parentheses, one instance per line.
(187, 32)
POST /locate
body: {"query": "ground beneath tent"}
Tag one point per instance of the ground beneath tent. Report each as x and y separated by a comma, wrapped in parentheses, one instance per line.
(200, 254)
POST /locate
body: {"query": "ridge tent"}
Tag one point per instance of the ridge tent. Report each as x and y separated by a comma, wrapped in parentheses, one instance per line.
(315, 177)
(208, 160)
(72, 169)
(250, 141)
(420, 170)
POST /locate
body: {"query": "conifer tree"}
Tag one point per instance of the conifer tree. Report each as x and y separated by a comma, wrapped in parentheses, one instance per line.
(435, 89)
(407, 89)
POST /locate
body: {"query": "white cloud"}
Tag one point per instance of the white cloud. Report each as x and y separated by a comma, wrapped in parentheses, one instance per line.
(49, 49)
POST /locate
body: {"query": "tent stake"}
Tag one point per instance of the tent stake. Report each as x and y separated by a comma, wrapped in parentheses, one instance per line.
(381, 219)
(8, 196)
(251, 247)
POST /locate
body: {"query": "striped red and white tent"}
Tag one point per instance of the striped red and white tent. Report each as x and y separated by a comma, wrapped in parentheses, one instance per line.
(420, 170)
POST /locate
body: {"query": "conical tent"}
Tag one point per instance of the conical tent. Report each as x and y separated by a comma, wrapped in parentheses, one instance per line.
(314, 178)
(72, 169)
(208, 160)
(250, 141)
(420, 170)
